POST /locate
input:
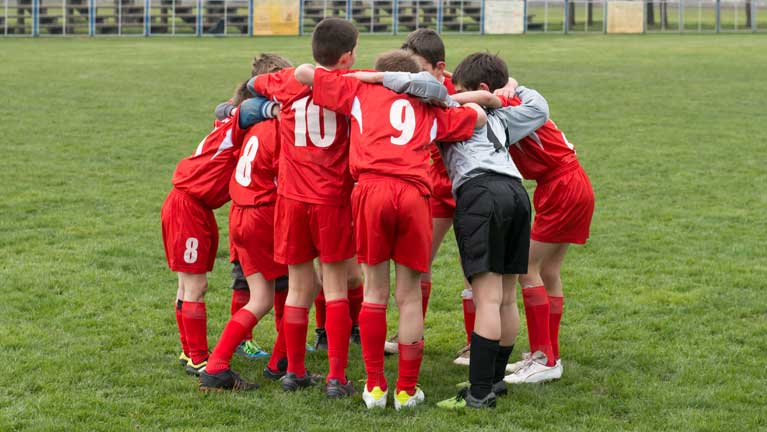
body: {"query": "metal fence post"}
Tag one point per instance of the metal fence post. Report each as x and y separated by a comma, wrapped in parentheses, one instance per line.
(35, 18)
(198, 30)
(566, 25)
(348, 9)
(147, 18)
(718, 16)
(524, 16)
(301, 17)
(91, 18)
(250, 18)
(439, 16)
(395, 16)
(481, 18)
(644, 16)
(681, 16)
(604, 16)
(753, 15)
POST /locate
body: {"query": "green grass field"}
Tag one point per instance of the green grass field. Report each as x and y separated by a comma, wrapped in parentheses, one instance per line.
(665, 316)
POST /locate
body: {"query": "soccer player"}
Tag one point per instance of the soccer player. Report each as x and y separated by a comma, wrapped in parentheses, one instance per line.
(190, 234)
(313, 214)
(389, 155)
(251, 227)
(354, 285)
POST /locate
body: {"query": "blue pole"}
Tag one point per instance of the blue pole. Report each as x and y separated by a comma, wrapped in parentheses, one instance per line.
(199, 18)
(147, 17)
(35, 18)
(395, 16)
(440, 11)
(348, 9)
(524, 17)
(482, 18)
(250, 18)
(567, 18)
(91, 18)
(718, 16)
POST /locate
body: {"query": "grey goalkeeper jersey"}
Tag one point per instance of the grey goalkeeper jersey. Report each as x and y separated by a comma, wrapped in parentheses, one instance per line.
(487, 151)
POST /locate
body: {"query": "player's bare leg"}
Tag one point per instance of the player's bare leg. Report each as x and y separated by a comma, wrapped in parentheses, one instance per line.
(373, 332)
(544, 264)
(411, 312)
(356, 295)
(302, 289)
(194, 317)
(338, 326)
(218, 375)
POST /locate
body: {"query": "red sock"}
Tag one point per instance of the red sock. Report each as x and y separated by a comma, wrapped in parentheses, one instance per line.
(196, 327)
(537, 315)
(425, 293)
(355, 304)
(338, 327)
(239, 299)
(410, 357)
(373, 335)
(279, 308)
(241, 324)
(319, 309)
(555, 316)
(279, 351)
(294, 324)
(180, 324)
(469, 314)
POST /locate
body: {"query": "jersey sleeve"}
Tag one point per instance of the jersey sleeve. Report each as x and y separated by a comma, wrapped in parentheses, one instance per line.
(272, 85)
(523, 119)
(334, 92)
(454, 124)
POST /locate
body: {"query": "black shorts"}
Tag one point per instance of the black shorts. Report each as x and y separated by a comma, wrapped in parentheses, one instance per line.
(240, 283)
(492, 225)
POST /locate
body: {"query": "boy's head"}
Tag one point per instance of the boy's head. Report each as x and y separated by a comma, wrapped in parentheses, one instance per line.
(481, 71)
(334, 43)
(268, 63)
(428, 50)
(397, 61)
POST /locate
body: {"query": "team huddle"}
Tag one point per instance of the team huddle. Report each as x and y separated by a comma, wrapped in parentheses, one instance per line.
(355, 169)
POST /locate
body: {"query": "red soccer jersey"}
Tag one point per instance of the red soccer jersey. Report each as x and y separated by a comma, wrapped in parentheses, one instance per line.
(436, 157)
(205, 175)
(390, 132)
(314, 154)
(543, 153)
(254, 181)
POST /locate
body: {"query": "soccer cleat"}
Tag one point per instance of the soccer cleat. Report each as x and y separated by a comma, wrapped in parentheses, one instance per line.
(391, 346)
(195, 369)
(375, 398)
(500, 388)
(251, 350)
(334, 389)
(321, 340)
(464, 356)
(403, 400)
(513, 367)
(226, 380)
(290, 382)
(464, 400)
(310, 348)
(535, 371)
(355, 335)
(183, 359)
(282, 367)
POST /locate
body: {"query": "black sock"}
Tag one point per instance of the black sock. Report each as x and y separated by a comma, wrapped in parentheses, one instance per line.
(179, 303)
(482, 365)
(501, 361)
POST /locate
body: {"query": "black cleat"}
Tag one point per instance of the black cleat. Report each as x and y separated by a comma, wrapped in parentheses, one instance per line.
(500, 388)
(195, 369)
(355, 336)
(226, 380)
(321, 339)
(290, 382)
(335, 390)
(282, 367)
(466, 400)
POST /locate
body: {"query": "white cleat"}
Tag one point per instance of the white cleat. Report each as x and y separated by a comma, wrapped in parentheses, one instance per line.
(513, 367)
(391, 346)
(404, 400)
(464, 356)
(535, 371)
(375, 398)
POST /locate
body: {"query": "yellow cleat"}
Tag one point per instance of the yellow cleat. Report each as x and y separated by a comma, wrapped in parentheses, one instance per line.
(375, 398)
(404, 400)
(183, 359)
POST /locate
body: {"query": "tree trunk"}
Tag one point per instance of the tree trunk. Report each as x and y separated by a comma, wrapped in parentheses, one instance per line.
(748, 13)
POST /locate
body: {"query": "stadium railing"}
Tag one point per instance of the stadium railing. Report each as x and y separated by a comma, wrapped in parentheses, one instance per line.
(236, 17)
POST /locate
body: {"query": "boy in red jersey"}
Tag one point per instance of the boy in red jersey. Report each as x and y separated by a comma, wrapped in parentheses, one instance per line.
(563, 202)
(190, 232)
(389, 155)
(313, 215)
(251, 226)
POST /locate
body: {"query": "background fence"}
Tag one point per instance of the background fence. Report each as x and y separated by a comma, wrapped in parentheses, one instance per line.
(248, 17)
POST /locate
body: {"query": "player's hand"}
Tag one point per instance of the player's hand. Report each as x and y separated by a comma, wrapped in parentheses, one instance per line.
(447, 74)
(368, 77)
(509, 90)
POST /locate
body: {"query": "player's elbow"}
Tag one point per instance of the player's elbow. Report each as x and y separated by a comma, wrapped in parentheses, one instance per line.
(304, 74)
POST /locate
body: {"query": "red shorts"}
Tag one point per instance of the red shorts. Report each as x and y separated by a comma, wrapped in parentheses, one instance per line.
(392, 220)
(442, 200)
(251, 235)
(189, 234)
(303, 231)
(563, 208)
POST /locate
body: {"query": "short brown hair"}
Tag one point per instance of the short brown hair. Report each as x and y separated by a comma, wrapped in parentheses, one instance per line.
(427, 44)
(397, 61)
(332, 38)
(268, 63)
(481, 68)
